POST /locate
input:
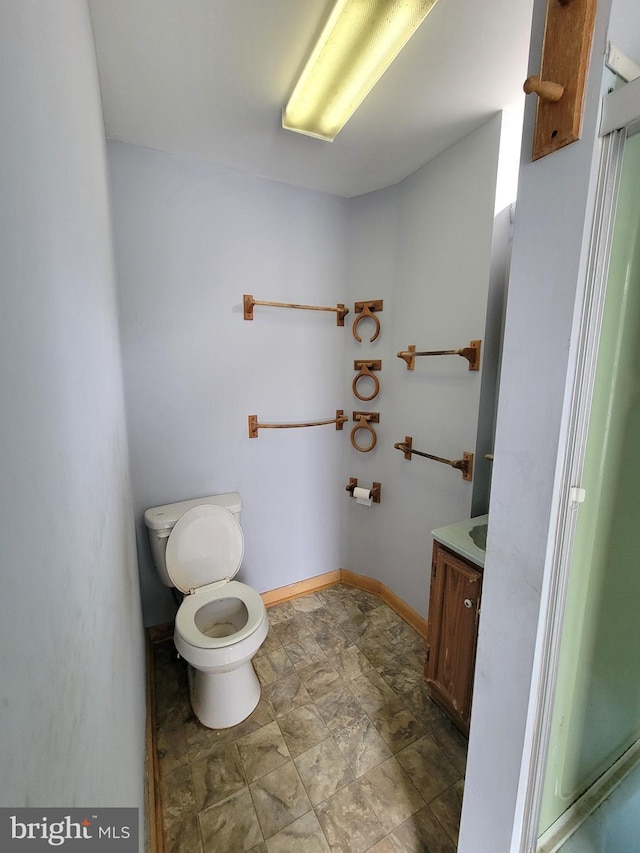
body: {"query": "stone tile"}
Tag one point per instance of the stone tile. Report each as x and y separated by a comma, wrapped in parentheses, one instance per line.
(359, 627)
(318, 619)
(272, 666)
(345, 609)
(171, 748)
(377, 650)
(384, 618)
(365, 601)
(404, 638)
(231, 825)
(421, 832)
(217, 776)
(184, 836)
(331, 640)
(400, 677)
(448, 807)
(302, 728)
(279, 799)
(384, 846)
(423, 708)
(286, 693)
(202, 740)
(332, 594)
(340, 709)
(280, 612)
(292, 630)
(305, 652)
(396, 725)
(348, 822)
(173, 710)
(451, 741)
(261, 716)
(259, 848)
(262, 751)
(307, 603)
(372, 691)
(428, 768)
(271, 643)
(415, 660)
(391, 794)
(323, 770)
(351, 663)
(304, 835)
(178, 799)
(362, 747)
(321, 678)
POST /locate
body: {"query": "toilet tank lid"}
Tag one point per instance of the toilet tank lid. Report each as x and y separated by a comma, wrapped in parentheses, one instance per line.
(163, 517)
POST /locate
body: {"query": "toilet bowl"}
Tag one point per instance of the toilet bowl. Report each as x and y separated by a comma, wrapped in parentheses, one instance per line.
(220, 625)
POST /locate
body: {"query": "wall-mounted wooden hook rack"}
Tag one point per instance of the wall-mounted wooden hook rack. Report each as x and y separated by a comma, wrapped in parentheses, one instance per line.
(339, 420)
(465, 464)
(471, 353)
(364, 421)
(366, 366)
(376, 489)
(249, 303)
(560, 86)
(367, 309)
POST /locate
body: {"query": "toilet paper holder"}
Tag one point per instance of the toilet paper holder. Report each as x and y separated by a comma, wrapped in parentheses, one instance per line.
(375, 490)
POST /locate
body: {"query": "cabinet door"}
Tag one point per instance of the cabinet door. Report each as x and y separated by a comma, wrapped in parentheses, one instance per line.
(452, 633)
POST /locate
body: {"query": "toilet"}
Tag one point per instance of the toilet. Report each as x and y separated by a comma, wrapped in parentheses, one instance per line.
(197, 547)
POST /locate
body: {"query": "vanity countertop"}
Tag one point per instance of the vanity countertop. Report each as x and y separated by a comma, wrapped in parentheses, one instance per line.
(456, 538)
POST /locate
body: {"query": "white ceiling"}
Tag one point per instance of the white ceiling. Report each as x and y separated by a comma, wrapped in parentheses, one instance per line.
(208, 78)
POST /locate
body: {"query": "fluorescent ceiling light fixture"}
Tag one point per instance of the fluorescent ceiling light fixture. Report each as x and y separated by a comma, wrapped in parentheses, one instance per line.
(358, 43)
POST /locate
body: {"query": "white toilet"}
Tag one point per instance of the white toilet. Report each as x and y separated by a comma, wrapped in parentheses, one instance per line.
(197, 547)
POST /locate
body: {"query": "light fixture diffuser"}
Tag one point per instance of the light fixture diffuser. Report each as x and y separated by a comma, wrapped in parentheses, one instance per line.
(358, 43)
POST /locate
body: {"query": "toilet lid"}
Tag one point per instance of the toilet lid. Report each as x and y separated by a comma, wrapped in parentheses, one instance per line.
(205, 545)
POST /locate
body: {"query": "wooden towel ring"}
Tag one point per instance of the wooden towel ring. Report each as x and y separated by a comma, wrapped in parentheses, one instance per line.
(365, 368)
(366, 309)
(364, 420)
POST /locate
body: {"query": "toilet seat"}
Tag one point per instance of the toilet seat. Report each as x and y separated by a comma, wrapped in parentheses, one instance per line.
(186, 626)
(204, 552)
(205, 546)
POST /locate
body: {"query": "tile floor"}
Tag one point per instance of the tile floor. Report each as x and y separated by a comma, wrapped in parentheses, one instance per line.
(345, 751)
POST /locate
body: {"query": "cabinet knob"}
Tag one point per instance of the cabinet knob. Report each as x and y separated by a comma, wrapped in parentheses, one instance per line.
(468, 603)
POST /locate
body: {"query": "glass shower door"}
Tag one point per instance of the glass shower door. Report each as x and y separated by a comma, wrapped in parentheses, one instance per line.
(596, 711)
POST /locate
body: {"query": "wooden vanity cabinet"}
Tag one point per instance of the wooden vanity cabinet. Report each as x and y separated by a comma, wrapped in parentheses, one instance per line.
(452, 632)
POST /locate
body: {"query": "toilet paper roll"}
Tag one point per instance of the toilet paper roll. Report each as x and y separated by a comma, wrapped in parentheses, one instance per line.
(362, 496)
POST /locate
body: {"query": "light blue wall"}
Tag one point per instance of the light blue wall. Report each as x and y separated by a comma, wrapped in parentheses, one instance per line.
(191, 238)
(424, 245)
(72, 694)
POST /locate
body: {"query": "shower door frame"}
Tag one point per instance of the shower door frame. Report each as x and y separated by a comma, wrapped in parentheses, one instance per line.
(620, 120)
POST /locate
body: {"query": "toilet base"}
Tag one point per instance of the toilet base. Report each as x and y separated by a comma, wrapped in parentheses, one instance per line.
(224, 699)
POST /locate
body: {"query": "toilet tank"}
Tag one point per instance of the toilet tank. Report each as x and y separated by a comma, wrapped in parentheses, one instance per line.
(161, 519)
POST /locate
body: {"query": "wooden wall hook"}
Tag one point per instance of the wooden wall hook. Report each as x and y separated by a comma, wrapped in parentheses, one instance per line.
(544, 89)
(568, 34)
